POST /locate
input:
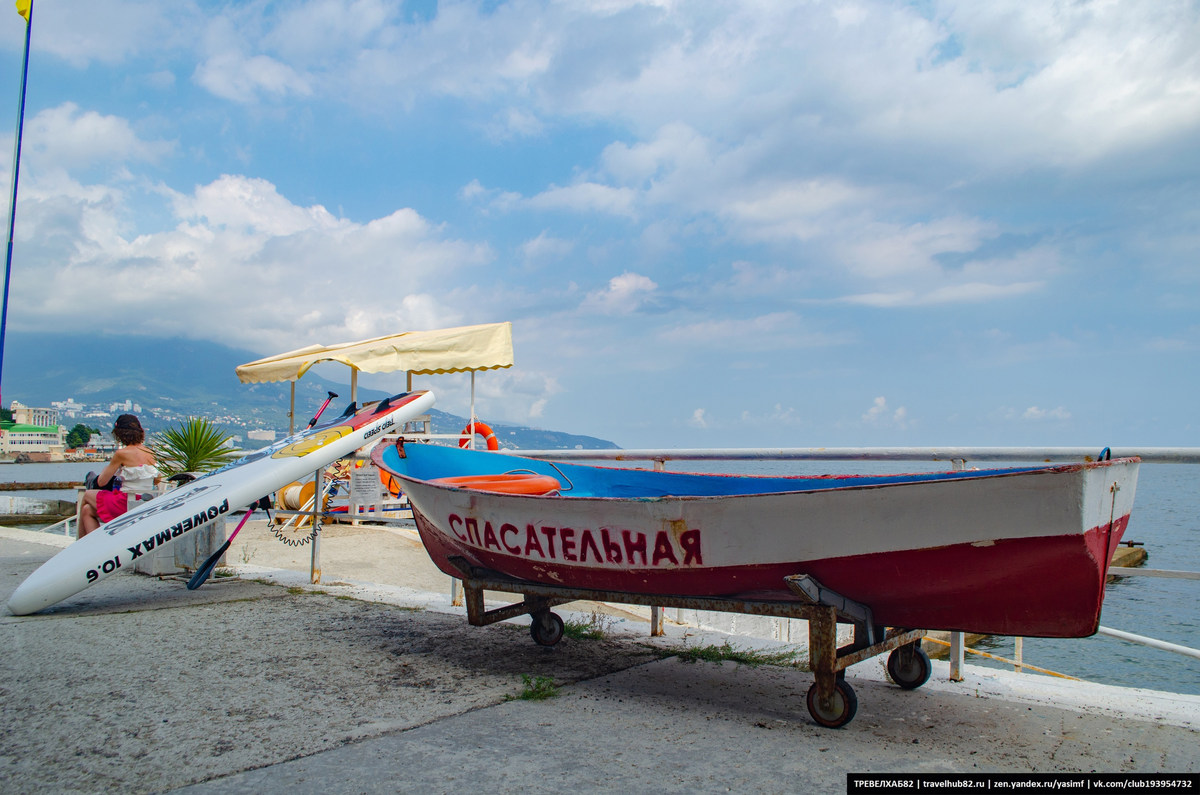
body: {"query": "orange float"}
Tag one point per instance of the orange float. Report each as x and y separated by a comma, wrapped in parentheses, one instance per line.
(389, 482)
(483, 430)
(515, 483)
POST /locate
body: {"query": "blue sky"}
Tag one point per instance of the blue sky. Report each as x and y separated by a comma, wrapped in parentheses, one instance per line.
(712, 224)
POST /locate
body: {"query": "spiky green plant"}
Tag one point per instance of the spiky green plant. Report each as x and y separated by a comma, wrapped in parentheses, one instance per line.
(196, 445)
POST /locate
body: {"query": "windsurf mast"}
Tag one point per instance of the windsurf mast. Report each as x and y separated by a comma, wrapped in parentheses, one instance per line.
(25, 9)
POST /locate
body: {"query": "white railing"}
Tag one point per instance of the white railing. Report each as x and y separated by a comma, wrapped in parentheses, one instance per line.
(1149, 455)
(65, 524)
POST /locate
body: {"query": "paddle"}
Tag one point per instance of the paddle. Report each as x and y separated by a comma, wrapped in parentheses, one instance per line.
(321, 410)
(206, 570)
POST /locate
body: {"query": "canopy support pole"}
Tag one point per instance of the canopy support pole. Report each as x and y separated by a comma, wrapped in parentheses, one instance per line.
(354, 385)
(292, 412)
(314, 573)
(408, 388)
(472, 409)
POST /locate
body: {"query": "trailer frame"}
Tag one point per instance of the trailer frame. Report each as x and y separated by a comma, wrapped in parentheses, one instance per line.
(831, 701)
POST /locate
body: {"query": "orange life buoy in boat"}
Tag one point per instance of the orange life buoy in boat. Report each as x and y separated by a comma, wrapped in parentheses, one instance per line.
(483, 431)
(516, 483)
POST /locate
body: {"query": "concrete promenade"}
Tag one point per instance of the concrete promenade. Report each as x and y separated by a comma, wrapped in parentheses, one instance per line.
(260, 685)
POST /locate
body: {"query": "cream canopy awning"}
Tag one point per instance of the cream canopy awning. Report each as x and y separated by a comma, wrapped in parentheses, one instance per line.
(451, 350)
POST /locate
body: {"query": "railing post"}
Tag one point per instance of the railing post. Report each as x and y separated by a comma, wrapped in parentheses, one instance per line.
(315, 571)
(1018, 653)
(958, 647)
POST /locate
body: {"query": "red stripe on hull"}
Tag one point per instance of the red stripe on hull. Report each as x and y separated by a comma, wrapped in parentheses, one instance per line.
(1049, 586)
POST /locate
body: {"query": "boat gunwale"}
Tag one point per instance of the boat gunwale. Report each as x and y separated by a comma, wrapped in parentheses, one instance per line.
(954, 477)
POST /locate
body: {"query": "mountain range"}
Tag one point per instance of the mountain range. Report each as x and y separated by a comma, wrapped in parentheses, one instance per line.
(176, 378)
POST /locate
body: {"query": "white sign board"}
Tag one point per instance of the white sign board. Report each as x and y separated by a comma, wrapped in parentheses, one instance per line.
(365, 488)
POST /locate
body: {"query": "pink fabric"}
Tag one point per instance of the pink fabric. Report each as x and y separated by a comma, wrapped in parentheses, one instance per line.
(111, 504)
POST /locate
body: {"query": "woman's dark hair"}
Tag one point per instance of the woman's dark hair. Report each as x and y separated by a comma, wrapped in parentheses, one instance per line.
(128, 430)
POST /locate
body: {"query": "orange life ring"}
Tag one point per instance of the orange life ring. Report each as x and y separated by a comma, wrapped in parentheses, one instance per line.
(483, 431)
(517, 483)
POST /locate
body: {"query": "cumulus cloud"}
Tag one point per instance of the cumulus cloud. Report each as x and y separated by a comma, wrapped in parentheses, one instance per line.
(244, 266)
(623, 295)
(241, 78)
(881, 414)
(65, 137)
(699, 420)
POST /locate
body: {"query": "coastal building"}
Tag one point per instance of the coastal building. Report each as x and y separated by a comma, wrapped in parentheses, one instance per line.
(69, 408)
(24, 415)
(41, 442)
(261, 436)
(103, 443)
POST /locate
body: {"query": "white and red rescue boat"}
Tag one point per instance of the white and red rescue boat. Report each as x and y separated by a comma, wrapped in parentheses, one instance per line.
(1020, 551)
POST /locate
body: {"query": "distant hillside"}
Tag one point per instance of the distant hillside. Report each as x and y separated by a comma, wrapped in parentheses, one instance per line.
(521, 437)
(180, 378)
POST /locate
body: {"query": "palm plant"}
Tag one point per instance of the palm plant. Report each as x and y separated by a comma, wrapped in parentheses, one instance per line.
(196, 445)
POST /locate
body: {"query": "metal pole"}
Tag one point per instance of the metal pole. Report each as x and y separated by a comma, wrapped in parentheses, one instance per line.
(292, 412)
(656, 621)
(16, 173)
(318, 506)
(472, 409)
(353, 384)
(1018, 653)
(957, 653)
(408, 388)
(1151, 642)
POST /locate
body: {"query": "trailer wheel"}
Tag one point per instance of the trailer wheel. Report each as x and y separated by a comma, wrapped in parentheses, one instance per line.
(547, 628)
(845, 706)
(909, 670)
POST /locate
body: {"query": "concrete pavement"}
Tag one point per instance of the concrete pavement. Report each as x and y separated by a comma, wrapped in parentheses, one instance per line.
(138, 685)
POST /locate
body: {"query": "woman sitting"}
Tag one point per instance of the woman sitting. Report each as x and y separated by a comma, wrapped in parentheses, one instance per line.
(134, 463)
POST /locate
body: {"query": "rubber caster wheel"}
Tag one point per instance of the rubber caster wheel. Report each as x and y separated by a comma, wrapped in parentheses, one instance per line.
(912, 675)
(546, 629)
(845, 706)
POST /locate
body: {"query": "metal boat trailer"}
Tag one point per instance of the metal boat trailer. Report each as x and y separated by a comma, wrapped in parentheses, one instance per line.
(831, 700)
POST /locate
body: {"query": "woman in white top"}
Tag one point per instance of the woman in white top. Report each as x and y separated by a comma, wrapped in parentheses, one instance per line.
(134, 463)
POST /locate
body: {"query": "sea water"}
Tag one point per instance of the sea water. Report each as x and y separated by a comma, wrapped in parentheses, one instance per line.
(1166, 519)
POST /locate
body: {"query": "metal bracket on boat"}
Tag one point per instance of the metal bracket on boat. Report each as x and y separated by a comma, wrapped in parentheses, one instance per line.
(809, 590)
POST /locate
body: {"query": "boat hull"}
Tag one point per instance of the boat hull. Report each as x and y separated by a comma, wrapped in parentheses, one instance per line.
(1011, 553)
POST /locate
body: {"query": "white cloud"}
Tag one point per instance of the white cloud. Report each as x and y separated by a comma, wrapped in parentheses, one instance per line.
(1035, 414)
(1001, 84)
(244, 267)
(110, 30)
(773, 331)
(951, 294)
(623, 295)
(881, 414)
(64, 137)
(241, 78)
(586, 197)
(244, 203)
(699, 420)
(544, 248)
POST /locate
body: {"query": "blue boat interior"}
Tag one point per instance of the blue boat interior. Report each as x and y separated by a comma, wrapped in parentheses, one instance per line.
(429, 462)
